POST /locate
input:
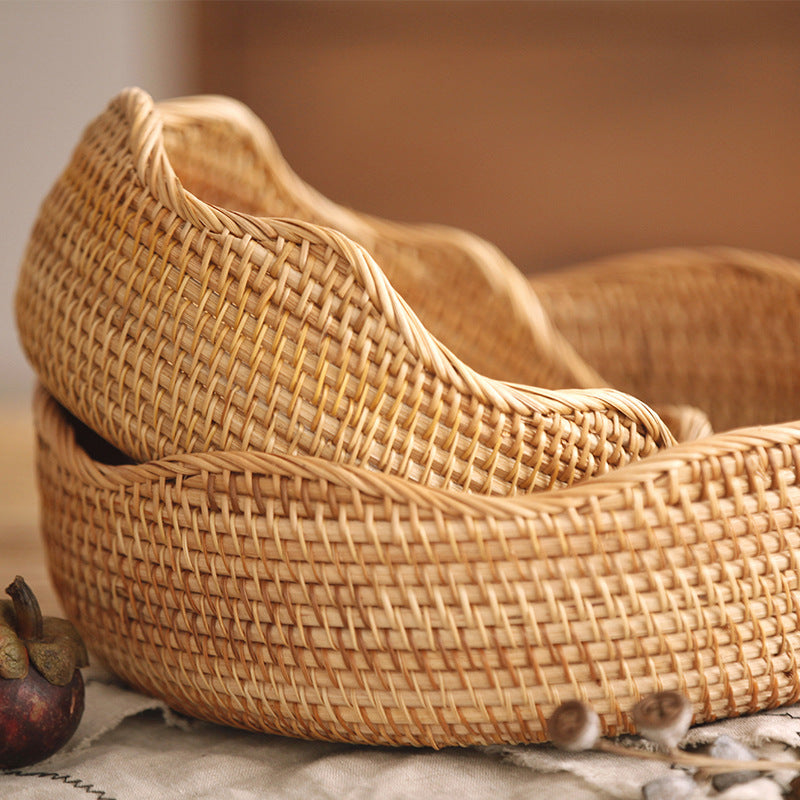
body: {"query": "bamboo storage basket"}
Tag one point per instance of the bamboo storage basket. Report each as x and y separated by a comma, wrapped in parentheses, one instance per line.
(283, 504)
(171, 325)
(168, 324)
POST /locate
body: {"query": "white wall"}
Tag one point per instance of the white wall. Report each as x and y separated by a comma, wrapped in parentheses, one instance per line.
(60, 63)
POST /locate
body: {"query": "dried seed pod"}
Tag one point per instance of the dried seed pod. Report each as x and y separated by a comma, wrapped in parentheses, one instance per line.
(574, 726)
(663, 718)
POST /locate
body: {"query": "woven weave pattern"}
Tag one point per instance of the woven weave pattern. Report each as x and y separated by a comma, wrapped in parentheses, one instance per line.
(170, 325)
(287, 594)
(713, 327)
(226, 156)
(286, 502)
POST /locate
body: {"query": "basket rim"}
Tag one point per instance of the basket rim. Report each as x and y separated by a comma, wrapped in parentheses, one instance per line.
(599, 492)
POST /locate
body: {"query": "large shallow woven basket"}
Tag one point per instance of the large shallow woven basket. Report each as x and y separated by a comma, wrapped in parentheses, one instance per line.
(293, 595)
(299, 514)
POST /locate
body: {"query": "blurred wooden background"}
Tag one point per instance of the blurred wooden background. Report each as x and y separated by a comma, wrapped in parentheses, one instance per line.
(559, 130)
(21, 549)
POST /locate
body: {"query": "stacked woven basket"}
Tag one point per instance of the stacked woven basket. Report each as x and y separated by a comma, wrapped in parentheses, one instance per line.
(295, 476)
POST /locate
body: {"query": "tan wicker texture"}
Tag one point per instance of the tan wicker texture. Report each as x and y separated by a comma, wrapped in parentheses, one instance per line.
(226, 156)
(293, 595)
(169, 325)
(716, 328)
(309, 525)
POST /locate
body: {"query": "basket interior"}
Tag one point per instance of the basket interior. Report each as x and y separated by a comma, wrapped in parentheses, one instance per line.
(716, 329)
(464, 290)
(98, 449)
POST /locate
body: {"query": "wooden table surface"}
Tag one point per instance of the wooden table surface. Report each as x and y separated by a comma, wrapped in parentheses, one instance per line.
(21, 551)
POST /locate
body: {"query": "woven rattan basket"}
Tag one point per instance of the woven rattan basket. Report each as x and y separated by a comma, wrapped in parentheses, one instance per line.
(289, 594)
(716, 328)
(274, 498)
(170, 325)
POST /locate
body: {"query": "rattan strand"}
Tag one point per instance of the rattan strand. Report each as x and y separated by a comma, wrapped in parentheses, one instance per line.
(171, 325)
(293, 595)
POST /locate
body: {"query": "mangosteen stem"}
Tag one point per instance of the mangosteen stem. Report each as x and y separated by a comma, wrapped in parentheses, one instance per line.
(26, 609)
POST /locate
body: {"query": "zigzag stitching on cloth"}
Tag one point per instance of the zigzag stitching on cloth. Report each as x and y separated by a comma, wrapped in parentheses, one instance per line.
(57, 776)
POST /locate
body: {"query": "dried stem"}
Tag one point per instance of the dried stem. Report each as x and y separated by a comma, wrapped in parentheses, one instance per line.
(708, 764)
(26, 610)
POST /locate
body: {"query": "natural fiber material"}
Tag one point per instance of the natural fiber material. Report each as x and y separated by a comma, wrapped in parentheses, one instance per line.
(224, 155)
(168, 324)
(713, 327)
(305, 524)
(293, 595)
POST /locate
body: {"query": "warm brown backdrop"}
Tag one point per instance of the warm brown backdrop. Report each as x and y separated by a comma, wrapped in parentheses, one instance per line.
(559, 130)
